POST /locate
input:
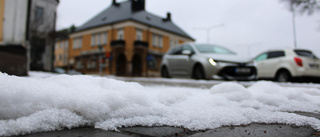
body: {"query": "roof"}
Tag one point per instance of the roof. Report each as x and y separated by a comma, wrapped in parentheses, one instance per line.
(123, 12)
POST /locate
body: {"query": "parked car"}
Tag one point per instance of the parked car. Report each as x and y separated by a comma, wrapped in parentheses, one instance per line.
(59, 70)
(205, 61)
(286, 64)
(70, 72)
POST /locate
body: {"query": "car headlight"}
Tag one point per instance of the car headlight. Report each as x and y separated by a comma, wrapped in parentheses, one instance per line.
(212, 62)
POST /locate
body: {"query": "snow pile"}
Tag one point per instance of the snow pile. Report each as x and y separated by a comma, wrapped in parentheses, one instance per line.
(29, 105)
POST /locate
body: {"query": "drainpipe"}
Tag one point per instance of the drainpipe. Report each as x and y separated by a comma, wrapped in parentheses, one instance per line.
(27, 33)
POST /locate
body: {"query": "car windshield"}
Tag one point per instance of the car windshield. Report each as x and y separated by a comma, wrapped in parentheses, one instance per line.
(305, 53)
(205, 48)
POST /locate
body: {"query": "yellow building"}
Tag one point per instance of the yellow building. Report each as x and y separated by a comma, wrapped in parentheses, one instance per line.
(124, 40)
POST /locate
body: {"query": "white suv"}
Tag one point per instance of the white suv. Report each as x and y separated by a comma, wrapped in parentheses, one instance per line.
(287, 64)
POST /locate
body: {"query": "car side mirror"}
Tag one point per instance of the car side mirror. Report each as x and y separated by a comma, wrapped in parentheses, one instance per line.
(186, 52)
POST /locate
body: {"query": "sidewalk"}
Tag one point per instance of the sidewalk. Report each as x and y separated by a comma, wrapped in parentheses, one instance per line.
(252, 130)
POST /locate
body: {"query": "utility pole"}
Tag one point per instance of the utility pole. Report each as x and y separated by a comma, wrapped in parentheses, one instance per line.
(294, 26)
(208, 30)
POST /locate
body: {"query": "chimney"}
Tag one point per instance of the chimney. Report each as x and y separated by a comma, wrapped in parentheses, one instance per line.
(114, 2)
(168, 17)
(137, 5)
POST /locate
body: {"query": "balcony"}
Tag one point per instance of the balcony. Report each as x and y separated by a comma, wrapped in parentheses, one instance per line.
(141, 44)
(120, 43)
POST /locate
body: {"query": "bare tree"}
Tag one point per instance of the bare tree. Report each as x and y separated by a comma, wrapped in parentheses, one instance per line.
(303, 6)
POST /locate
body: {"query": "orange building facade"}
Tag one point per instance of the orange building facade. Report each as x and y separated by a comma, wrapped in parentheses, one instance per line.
(129, 47)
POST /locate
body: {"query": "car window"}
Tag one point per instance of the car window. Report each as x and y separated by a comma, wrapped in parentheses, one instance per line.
(262, 57)
(175, 50)
(187, 47)
(276, 54)
(305, 53)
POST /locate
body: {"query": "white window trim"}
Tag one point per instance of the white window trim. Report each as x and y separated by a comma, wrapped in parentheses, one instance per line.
(160, 41)
(120, 34)
(93, 40)
(154, 40)
(105, 38)
(139, 34)
(77, 43)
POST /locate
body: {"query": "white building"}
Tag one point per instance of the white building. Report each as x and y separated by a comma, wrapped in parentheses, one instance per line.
(27, 35)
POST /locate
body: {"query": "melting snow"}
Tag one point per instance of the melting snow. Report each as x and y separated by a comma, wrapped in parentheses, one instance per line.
(37, 104)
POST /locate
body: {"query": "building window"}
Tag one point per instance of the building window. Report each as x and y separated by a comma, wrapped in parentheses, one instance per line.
(66, 45)
(139, 35)
(77, 43)
(79, 65)
(93, 39)
(154, 40)
(99, 39)
(120, 34)
(104, 38)
(92, 64)
(173, 42)
(39, 14)
(61, 45)
(160, 41)
(157, 41)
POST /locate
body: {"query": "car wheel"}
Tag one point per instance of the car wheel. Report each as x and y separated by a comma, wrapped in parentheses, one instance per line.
(165, 72)
(198, 72)
(283, 76)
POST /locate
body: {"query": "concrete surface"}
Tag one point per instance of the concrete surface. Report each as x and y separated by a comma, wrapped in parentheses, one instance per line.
(252, 130)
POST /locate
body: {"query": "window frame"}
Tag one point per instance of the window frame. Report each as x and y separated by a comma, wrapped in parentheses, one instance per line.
(139, 35)
(120, 34)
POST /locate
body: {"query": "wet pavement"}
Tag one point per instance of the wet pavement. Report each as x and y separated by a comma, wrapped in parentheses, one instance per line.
(252, 130)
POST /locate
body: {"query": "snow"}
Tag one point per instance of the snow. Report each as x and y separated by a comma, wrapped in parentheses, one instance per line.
(53, 102)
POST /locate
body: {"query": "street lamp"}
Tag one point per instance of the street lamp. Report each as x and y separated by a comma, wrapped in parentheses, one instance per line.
(100, 60)
(208, 30)
(294, 26)
(250, 45)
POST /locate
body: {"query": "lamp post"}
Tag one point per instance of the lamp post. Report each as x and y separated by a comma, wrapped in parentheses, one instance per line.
(100, 60)
(294, 26)
(208, 30)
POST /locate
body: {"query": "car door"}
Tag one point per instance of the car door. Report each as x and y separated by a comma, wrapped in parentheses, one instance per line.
(184, 60)
(180, 62)
(261, 65)
(172, 59)
(273, 62)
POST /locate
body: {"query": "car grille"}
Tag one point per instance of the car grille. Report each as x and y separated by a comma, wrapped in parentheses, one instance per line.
(237, 71)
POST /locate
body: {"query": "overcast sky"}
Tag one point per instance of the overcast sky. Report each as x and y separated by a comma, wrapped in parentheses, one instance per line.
(250, 26)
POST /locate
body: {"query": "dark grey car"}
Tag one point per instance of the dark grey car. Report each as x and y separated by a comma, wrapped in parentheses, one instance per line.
(204, 61)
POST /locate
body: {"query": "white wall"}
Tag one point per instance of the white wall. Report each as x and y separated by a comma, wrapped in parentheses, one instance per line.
(15, 18)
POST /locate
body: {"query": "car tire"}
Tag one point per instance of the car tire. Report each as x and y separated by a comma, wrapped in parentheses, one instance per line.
(165, 72)
(198, 72)
(283, 76)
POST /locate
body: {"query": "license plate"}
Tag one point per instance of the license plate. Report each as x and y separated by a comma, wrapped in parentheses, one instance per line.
(243, 70)
(314, 66)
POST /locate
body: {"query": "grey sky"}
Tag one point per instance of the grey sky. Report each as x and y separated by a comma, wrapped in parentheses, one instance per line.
(258, 24)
